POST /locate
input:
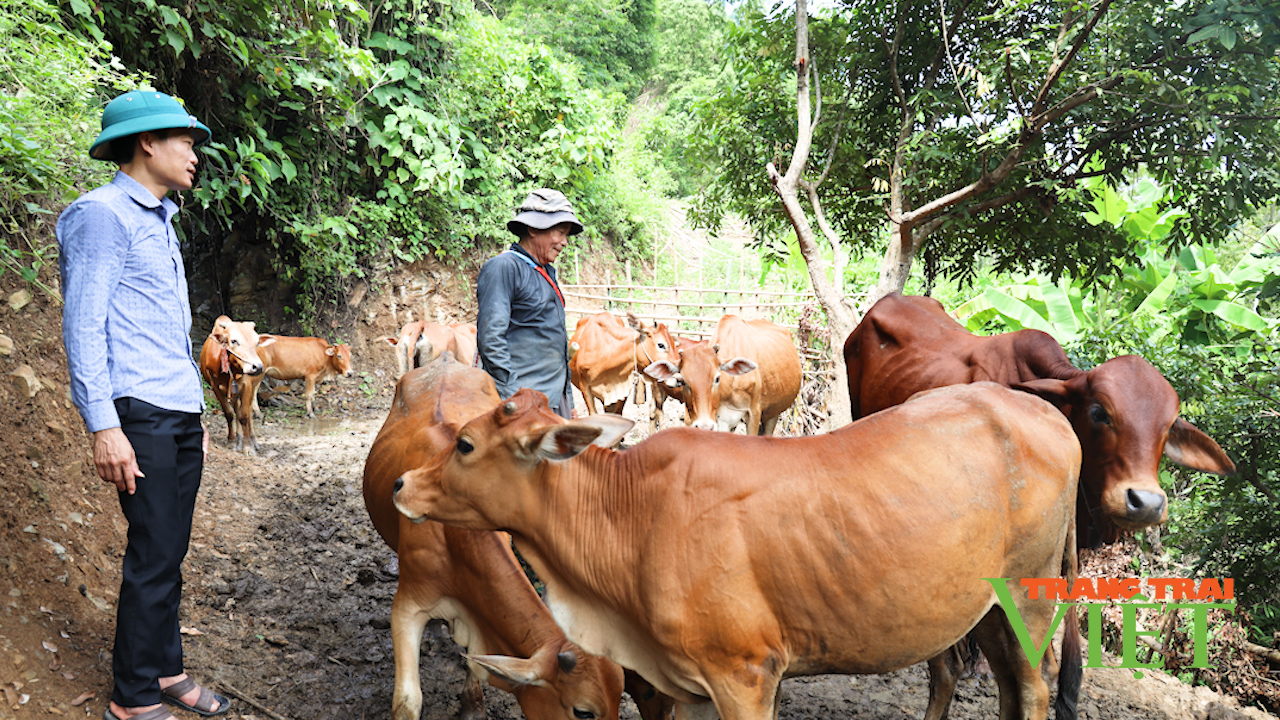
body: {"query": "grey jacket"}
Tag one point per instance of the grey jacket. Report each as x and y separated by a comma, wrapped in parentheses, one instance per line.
(522, 341)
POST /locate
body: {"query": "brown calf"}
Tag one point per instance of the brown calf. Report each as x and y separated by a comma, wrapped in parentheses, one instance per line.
(228, 359)
(311, 359)
(470, 579)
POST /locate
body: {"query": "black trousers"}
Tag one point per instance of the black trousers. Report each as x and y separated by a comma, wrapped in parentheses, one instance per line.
(148, 644)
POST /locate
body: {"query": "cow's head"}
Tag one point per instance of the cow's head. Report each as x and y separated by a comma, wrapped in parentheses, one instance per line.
(551, 685)
(239, 344)
(340, 359)
(653, 342)
(696, 380)
(489, 474)
(1126, 416)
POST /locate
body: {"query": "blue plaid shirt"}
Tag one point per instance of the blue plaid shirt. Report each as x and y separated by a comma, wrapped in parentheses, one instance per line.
(126, 322)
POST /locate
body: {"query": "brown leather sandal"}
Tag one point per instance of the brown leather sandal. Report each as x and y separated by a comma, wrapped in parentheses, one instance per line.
(204, 703)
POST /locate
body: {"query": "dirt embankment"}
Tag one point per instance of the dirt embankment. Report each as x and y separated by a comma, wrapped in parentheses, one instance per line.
(288, 587)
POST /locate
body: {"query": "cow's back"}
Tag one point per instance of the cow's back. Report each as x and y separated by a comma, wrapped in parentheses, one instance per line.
(906, 344)
(830, 539)
(778, 376)
(430, 403)
(291, 358)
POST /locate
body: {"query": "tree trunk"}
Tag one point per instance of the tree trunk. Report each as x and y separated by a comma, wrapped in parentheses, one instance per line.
(839, 319)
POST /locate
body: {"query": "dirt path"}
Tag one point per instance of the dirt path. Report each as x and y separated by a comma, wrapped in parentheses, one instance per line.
(292, 590)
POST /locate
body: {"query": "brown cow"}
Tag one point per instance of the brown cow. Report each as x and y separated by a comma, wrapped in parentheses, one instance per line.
(470, 579)
(228, 358)
(716, 565)
(1124, 411)
(312, 359)
(604, 355)
(750, 373)
(422, 341)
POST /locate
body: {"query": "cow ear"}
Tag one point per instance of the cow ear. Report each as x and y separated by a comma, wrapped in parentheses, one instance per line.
(634, 323)
(738, 366)
(265, 340)
(221, 329)
(567, 440)
(1190, 447)
(513, 670)
(612, 428)
(662, 370)
(1055, 391)
(327, 351)
(391, 341)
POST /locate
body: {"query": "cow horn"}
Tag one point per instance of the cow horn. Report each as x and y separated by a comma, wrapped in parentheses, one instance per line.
(716, 348)
(568, 661)
(510, 408)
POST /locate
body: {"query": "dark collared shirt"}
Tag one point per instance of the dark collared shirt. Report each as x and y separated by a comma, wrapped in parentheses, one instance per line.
(521, 336)
(126, 322)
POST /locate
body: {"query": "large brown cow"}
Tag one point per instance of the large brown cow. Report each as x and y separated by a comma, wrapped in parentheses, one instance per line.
(1124, 411)
(470, 579)
(716, 565)
(422, 341)
(749, 373)
(311, 359)
(606, 354)
(230, 356)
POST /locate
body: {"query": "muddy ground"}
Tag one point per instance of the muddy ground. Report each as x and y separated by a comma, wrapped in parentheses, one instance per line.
(289, 588)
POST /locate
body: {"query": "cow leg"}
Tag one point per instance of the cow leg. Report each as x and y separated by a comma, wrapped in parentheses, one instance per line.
(407, 623)
(244, 413)
(589, 398)
(472, 697)
(944, 670)
(230, 416)
(309, 392)
(1023, 693)
(767, 427)
(700, 711)
(655, 417)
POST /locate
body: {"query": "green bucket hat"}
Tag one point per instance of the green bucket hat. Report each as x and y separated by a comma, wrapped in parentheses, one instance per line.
(140, 111)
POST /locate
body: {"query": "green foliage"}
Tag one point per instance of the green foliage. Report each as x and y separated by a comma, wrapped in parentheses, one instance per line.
(950, 107)
(49, 80)
(611, 39)
(351, 137)
(1191, 297)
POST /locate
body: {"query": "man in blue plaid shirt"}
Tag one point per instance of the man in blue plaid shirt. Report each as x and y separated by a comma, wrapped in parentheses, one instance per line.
(126, 325)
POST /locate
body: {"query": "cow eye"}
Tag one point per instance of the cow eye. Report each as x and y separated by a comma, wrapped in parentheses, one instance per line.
(662, 346)
(583, 714)
(1099, 415)
(465, 446)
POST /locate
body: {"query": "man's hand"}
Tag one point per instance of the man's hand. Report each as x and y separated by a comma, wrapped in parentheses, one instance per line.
(114, 459)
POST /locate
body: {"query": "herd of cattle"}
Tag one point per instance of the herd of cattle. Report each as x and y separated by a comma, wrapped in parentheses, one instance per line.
(697, 570)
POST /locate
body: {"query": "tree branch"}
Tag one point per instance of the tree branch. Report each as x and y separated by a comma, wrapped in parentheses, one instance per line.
(1056, 70)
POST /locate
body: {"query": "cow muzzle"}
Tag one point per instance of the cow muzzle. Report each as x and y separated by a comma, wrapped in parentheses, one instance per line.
(404, 508)
(1136, 508)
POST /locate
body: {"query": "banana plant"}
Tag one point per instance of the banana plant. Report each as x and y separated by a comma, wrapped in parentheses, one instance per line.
(1190, 294)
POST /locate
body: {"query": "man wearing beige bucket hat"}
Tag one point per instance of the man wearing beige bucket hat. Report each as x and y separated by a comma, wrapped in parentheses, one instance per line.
(126, 325)
(521, 339)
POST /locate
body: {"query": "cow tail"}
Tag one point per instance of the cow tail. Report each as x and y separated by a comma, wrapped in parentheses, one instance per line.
(1071, 673)
(224, 360)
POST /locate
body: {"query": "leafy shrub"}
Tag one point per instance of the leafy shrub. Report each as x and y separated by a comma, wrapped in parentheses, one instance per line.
(50, 102)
